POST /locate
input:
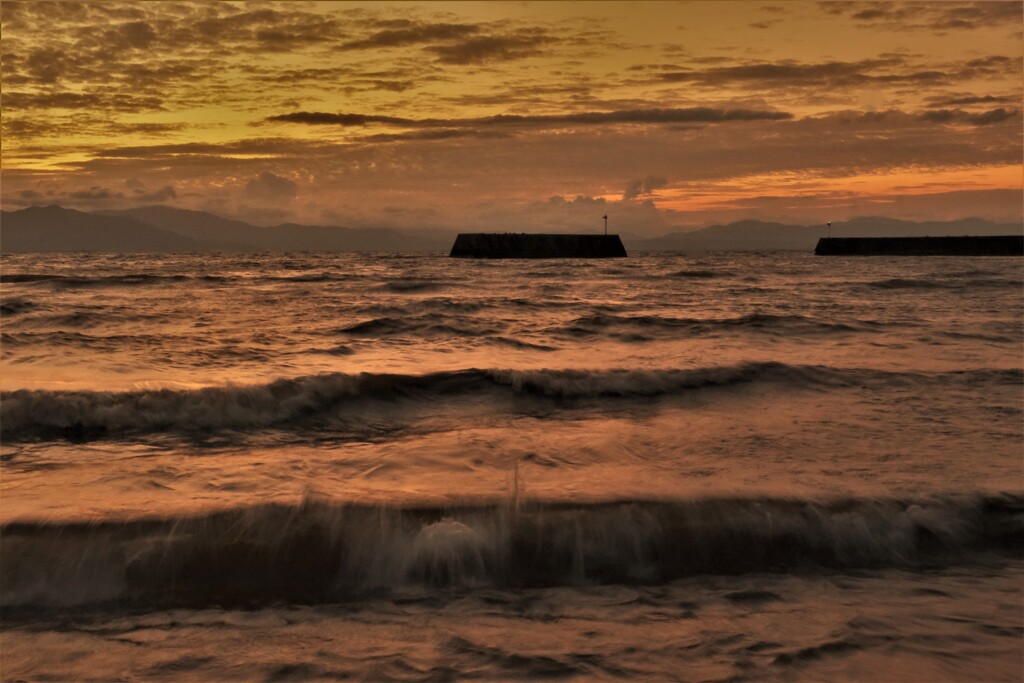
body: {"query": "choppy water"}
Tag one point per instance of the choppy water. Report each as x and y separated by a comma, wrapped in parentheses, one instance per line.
(287, 467)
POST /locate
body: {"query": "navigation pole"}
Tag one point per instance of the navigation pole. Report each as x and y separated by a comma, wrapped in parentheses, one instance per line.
(606, 224)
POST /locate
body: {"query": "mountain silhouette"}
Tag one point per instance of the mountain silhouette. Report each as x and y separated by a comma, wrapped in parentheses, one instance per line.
(165, 229)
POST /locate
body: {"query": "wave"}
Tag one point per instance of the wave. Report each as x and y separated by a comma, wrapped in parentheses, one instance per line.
(333, 399)
(321, 551)
(305, 277)
(416, 310)
(421, 326)
(107, 342)
(776, 324)
(702, 274)
(926, 283)
(403, 286)
(17, 305)
(108, 280)
(100, 318)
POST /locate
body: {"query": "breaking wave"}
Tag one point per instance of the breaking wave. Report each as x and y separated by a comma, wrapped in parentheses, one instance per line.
(320, 400)
(321, 551)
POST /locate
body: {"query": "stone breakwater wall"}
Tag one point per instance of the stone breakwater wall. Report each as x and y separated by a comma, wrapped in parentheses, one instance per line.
(525, 245)
(996, 245)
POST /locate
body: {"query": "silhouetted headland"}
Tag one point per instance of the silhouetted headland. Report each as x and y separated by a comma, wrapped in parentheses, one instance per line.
(977, 245)
(526, 245)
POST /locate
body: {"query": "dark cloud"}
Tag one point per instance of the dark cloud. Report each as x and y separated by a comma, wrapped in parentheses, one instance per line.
(927, 16)
(263, 28)
(152, 45)
(31, 125)
(641, 116)
(405, 32)
(992, 116)
(941, 116)
(684, 115)
(824, 79)
(162, 195)
(441, 134)
(272, 188)
(643, 187)
(251, 147)
(959, 116)
(947, 101)
(131, 35)
(886, 70)
(500, 48)
(324, 118)
(461, 43)
(95, 194)
(74, 100)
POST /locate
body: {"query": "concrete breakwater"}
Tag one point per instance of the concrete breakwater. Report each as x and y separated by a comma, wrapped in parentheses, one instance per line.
(977, 245)
(526, 245)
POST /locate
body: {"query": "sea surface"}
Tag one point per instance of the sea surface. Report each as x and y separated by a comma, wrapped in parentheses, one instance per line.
(733, 467)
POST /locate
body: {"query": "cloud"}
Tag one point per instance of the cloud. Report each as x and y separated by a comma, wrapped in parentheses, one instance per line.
(639, 116)
(586, 158)
(271, 188)
(162, 195)
(947, 101)
(579, 214)
(323, 118)
(413, 128)
(461, 43)
(412, 33)
(73, 100)
(992, 116)
(643, 187)
(26, 126)
(94, 195)
(887, 70)
(484, 49)
(131, 35)
(439, 134)
(959, 116)
(927, 16)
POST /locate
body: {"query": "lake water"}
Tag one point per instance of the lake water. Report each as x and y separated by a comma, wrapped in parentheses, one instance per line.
(397, 467)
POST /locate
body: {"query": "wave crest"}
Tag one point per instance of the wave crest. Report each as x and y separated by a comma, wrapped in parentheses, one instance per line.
(322, 551)
(323, 400)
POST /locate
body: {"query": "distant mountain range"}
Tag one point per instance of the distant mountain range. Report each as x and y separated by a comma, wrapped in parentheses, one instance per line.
(167, 229)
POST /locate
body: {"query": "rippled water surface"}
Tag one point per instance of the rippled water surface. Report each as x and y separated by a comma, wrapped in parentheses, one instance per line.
(388, 467)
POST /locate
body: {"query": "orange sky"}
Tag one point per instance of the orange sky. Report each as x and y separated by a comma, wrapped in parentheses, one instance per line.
(516, 115)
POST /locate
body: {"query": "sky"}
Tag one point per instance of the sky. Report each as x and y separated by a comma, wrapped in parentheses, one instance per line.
(517, 115)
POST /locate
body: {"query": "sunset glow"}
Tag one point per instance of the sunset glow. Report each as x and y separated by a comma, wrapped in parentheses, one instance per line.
(444, 114)
(512, 341)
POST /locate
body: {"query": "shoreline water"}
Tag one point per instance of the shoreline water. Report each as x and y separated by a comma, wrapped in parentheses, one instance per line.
(746, 467)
